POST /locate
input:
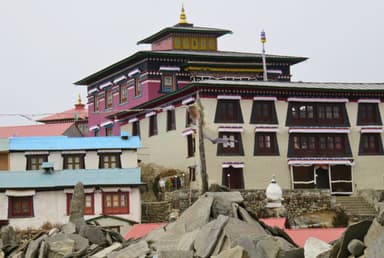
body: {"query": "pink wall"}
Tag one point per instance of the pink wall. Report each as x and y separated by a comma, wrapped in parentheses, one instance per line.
(163, 44)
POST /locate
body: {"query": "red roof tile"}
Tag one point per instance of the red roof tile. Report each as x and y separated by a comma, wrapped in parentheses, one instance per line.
(35, 130)
(299, 236)
(79, 110)
(141, 230)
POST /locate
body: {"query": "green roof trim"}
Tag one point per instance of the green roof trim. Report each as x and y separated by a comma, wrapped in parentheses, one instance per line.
(183, 29)
(212, 55)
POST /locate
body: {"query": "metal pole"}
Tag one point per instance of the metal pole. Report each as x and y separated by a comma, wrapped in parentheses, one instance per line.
(263, 39)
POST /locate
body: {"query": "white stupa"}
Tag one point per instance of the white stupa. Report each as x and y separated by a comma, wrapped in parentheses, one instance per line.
(274, 194)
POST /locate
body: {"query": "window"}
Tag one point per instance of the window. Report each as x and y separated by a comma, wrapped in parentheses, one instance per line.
(109, 160)
(370, 144)
(152, 125)
(109, 131)
(123, 93)
(96, 103)
(96, 133)
(266, 144)
(34, 161)
(88, 204)
(368, 114)
(73, 161)
(230, 144)
(318, 145)
(171, 120)
(168, 82)
(116, 203)
(20, 207)
(136, 128)
(108, 99)
(137, 86)
(316, 114)
(233, 178)
(191, 145)
(192, 174)
(263, 112)
(228, 111)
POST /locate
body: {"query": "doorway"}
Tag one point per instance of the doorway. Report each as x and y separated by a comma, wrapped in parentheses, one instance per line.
(322, 177)
(233, 178)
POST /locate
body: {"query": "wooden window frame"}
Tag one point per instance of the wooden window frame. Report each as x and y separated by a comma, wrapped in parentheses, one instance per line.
(108, 102)
(137, 86)
(108, 131)
(171, 120)
(31, 161)
(317, 114)
(231, 148)
(368, 114)
(123, 93)
(105, 160)
(87, 210)
(192, 174)
(370, 144)
(191, 145)
(228, 111)
(20, 202)
(165, 87)
(319, 145)
(263, 112)
(136, 128)
(96, 103)
(69, 164)
(118, 209)
(152, 128)
(267, 139)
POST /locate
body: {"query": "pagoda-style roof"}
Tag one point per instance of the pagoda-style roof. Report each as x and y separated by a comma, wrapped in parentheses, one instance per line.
(182, 29)
(227, 56)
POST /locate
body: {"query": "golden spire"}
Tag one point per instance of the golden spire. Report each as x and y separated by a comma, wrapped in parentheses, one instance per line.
(183, 17)
(79, 100)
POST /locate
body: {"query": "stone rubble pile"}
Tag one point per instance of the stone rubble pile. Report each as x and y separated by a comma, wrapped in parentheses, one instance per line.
(216, 225)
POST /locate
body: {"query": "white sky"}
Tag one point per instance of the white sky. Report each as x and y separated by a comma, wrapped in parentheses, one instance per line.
(46, 45)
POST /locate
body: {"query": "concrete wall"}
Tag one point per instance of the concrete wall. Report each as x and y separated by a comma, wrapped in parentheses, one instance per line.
(18, 160)
(51, 206)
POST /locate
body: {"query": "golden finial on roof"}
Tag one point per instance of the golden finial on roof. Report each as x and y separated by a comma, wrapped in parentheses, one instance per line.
(79, 99)
(183, 17)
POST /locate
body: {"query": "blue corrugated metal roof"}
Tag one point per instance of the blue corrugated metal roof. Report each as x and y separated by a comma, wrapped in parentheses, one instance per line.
(69, 178)
(73, 143)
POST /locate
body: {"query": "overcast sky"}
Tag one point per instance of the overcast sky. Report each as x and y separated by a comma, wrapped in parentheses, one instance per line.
(47, 45)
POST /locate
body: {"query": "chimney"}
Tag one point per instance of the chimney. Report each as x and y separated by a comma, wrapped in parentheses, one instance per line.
(47, 167)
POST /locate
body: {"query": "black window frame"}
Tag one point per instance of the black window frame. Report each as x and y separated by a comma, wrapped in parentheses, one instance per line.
(191, 145)
(136, 128)
(273, 150)
(263, 112)
(370, 144)
(152, 125)
(368, 114)
(171, 119)
(228, 111)
(224, 150)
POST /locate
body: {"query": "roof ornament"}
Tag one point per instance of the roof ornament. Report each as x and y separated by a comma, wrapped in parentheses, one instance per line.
(79, 100)
(183, 17)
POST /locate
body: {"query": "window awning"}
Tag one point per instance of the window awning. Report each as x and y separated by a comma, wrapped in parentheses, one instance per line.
(371, 130)
(188, 131)
(315, 161)
(230, 128)
(265, 98)
(318, 130)
(228, 97)
(188, 101)
(330, 100)
(105, 85)
(20, 193)
(368, 101)
(266, 129)
(86, 190)
(93, 91)
(150, 114)
(107, 124)
(169, 69)
(115, 189)
(133, 120)
(94, 128)
(134, 73)
(232, 164)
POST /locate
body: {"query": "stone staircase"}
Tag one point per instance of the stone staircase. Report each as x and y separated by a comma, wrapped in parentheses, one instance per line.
(356, 206)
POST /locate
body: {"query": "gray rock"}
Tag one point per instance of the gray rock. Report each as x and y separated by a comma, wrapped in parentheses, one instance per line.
(228, 196)
(244, 215)
(107, 250)
(2, 255)
(8, 236)
(206, 239)
(81, 243)
(259, 245)
(380, 217)
(68, 228)
(186, 241)
(53, 231)
(236, 228)
(175, 254)
(94, 234)
(356, 247)
(222, 203)
(59, 249)
(313, 247)
(132, 251)
(292, 253)
(375, 230)
(76, 213)
(43, 250)
(197, 215)
(235, 252)
(354, 231)
(34, 246)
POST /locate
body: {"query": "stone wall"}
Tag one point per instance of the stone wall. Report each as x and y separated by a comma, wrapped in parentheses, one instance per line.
(372, 196)
(155, 211)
